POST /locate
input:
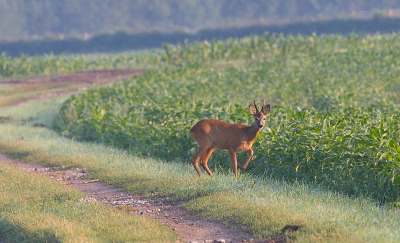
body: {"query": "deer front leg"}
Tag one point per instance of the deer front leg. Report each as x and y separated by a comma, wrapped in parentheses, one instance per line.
(232, 154)
(243, 167)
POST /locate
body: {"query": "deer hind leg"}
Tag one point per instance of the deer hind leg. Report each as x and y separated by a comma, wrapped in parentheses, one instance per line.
(205, 158)
(196, 157)
(250, 152)
(232, 154)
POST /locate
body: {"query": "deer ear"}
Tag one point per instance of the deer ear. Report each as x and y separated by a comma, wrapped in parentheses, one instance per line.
(266, 109)
(252, 110)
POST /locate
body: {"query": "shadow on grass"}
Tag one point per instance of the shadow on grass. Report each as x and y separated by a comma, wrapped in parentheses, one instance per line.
(12, 232)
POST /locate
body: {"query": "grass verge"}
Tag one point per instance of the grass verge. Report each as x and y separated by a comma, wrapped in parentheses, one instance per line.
(257, 205)
(36, 209)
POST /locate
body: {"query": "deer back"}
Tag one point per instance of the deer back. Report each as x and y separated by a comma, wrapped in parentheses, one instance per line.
(220, 134)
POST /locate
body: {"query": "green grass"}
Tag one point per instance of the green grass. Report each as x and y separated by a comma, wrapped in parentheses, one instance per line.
(258, 205)
(35, 209)
(32, 112)
(261, 206)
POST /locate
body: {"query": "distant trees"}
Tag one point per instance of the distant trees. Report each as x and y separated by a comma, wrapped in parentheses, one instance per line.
(37, 18)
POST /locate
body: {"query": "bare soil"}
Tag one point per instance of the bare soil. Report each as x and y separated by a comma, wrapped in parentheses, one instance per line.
(190, 227)
(72, 82)
(89, 77)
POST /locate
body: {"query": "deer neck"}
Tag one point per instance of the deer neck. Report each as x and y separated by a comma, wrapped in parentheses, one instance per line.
(253, 132)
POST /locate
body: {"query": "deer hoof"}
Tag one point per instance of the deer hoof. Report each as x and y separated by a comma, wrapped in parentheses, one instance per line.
(242, 167)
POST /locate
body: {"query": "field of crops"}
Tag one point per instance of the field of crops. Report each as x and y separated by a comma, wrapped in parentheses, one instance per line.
(334, 119)
(51, 64)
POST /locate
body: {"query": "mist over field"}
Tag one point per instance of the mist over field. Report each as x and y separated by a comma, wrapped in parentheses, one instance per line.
(78, 26)
(21, 19)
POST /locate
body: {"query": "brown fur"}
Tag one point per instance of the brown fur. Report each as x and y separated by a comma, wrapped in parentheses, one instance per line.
(214, 134)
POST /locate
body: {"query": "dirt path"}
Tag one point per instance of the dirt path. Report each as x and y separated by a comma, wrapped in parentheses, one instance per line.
(188, 225)
(89, 77)
(71, 82)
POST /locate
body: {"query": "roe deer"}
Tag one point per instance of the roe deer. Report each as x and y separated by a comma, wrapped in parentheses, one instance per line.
(211, 134)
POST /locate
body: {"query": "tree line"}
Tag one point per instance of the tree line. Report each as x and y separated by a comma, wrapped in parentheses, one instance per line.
(124, 41)
(26, 19)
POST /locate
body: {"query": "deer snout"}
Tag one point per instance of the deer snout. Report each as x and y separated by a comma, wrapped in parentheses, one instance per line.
(260, 126)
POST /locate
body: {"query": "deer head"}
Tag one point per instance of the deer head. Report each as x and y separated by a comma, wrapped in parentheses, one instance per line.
(259, 116)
